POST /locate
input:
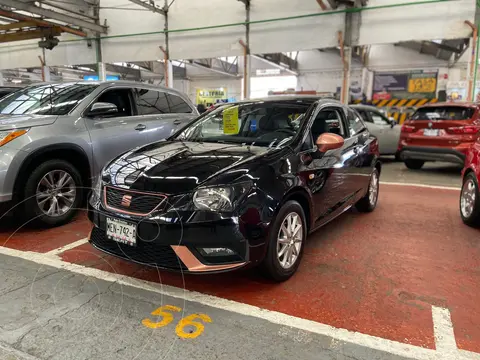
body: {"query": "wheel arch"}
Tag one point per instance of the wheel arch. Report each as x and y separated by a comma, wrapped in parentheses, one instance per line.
(71, 153)
(301, 196)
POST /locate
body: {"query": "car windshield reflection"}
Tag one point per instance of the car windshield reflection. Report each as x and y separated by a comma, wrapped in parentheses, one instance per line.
(254, 123)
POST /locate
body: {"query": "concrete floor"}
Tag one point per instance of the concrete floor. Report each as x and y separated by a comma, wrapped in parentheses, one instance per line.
(375, 280)
(432, 173)
(47, 313)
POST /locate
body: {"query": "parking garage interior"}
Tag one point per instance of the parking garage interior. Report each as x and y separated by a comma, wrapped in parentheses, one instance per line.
(239, 179)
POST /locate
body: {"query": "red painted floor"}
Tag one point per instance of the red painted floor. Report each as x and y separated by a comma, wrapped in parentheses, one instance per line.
(24, 237)
(375, 273)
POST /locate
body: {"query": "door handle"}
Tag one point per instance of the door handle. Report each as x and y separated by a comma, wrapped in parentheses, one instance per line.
(140, 127)
(177, 122)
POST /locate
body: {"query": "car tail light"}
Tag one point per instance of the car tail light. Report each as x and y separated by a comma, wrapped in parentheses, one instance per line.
(408, 129)
(469, 129)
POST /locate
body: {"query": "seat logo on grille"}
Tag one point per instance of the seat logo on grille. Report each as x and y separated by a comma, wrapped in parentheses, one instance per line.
(126, 200)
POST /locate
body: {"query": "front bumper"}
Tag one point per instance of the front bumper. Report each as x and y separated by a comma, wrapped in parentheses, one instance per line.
(175, 246)
(432, 154)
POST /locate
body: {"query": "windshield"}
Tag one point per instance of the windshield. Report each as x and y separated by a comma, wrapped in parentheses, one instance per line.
(45, 99)
(443, 113)
(259, 123)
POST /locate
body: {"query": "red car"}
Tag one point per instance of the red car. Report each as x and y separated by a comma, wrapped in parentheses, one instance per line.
(469, 196)
(439, 132)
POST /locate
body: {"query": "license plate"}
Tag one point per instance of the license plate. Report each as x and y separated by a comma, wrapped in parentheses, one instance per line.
(430, 132)
(122, 231)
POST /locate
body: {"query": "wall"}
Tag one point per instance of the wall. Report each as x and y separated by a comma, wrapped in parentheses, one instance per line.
(431, 21)
(122, 21)
(290, 35)
(20, 54)
(439, 20)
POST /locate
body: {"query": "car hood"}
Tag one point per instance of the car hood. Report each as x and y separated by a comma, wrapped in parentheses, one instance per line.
(179, 167)
(9, 122)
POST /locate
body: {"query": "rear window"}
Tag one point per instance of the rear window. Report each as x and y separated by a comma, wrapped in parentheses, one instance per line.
(443, 113)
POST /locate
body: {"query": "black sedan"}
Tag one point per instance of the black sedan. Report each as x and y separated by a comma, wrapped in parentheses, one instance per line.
(240, 186)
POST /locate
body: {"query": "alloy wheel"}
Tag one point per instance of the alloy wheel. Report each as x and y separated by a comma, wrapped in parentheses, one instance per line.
(373, 189)
(289, 240)
(56, 193)
(468, 197)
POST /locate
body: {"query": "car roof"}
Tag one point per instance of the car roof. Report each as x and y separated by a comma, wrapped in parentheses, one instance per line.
(461, 104)
(285, 98)
(365, 107)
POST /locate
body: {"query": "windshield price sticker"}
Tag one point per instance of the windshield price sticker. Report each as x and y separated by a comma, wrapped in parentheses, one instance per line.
(230, 121)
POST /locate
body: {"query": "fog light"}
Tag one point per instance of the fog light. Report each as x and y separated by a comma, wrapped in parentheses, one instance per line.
(216, 251)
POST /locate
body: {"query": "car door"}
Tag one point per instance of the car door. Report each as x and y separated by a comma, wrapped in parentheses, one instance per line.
(327, 174)
(114, 134)
(163, 112)
(388, 135)
(360, 162)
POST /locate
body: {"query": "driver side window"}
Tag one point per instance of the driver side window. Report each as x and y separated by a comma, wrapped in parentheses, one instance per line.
(121, 98)
(378, 119)
(328, 120)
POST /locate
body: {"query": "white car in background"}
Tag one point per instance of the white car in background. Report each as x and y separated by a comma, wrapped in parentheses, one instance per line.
(385, 129)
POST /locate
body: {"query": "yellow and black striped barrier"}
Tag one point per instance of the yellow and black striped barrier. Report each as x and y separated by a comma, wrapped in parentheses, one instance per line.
(399, 109)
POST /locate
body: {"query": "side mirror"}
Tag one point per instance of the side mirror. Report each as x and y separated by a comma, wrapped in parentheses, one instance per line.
(103, 109)
(329, 141)
(393, 122)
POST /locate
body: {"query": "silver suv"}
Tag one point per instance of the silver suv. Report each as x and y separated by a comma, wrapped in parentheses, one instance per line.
(55, 138)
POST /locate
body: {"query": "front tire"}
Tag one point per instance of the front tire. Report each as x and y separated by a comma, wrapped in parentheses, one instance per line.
(369, 202)
(287, 236)
(414, 164)
(469, 204)
(53, 193)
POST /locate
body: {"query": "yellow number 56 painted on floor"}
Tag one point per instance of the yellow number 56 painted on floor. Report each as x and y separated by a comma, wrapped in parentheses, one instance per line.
(166, 318)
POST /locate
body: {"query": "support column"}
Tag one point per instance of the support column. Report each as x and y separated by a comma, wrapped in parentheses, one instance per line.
(473, 63)
(46, 73)
(169, 71)
(102, 71)
(246, 52)
(346, 41)
(2, 83)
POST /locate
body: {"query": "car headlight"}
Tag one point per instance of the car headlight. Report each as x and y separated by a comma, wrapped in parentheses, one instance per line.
(9, 135)
(219, 198)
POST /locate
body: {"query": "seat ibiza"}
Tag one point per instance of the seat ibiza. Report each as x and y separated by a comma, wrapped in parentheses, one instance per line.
(240, 186)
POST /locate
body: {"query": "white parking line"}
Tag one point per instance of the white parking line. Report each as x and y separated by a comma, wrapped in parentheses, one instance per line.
(446, 346)
(62, 249)
(421, 185)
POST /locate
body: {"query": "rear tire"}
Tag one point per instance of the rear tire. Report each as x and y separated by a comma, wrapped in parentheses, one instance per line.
(469, 204)
(369, 202)
(397, 156)
(414, 164)
(276, 265)
(54, 182)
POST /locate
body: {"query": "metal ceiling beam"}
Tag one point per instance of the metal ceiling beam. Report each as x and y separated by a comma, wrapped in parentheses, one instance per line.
(275, 59)
(28, 35)
(207, 64)
(56, 5)
(149, 6)
(15, 4)
(17, 25)
(40, 22)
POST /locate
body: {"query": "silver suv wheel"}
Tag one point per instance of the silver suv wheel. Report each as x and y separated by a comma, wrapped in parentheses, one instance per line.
(56, 193)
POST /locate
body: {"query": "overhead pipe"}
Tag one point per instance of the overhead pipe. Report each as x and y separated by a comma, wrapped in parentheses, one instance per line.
(473, 63)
